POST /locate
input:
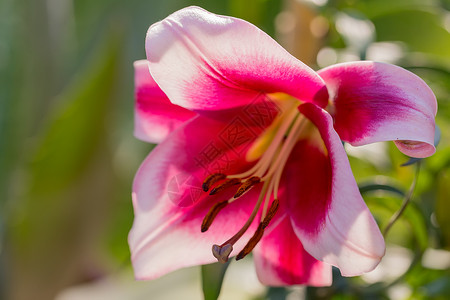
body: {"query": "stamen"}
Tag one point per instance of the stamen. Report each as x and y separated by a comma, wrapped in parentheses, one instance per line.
(225, 185)
(211, 179)
(247, 185)
(267, 198)
(252, 242)
(261, 166)
(271, 213)
(211, 215)
(222, 252)
(259, 232)
(288, 145)
(277, 178)
(284, 135)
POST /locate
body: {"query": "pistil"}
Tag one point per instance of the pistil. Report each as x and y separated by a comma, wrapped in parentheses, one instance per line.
(222, 252)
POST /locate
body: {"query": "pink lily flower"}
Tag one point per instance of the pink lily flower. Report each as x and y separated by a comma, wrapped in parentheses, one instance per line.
(250, 156)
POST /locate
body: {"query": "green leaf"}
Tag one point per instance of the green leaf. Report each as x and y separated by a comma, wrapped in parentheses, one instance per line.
(77, 125)
(374, 186)
(259, 12)
(381, 7)
(212, 278)
(421, 30)
(401, 207)
(443, 205)
(72, 142)
(412, 215)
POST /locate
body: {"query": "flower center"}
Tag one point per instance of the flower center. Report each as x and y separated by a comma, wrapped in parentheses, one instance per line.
(275, 144)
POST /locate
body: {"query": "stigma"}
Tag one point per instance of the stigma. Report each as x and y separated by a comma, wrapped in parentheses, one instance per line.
(272, 150)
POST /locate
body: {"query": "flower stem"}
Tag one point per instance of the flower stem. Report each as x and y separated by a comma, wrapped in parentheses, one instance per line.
(405, 203)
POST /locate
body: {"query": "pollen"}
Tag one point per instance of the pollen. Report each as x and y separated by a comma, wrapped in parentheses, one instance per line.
(251, 243)
(211, 215)
(259, 232)
(248, 184)
(228, 183)
(271, 213)
(212, 179)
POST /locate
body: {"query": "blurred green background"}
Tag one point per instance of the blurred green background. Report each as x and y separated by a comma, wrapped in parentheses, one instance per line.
(68, 156)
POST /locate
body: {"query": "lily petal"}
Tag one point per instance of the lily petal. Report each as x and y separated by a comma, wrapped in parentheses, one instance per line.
(203, 61)
(281, 260)
(327, 211)
(169, 204)
(155, 115)
(382, 102)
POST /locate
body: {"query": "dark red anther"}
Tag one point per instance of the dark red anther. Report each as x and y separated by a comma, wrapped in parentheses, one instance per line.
(211, 215)
(225, 185)
(247, 185)
(211, 179)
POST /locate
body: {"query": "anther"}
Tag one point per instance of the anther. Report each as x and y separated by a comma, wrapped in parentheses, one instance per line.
(252, 242)
(247, 185)
(225, 185)
(212, 213)
(260, 231)
(270, 213)
(211, 179)
(222, 252)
